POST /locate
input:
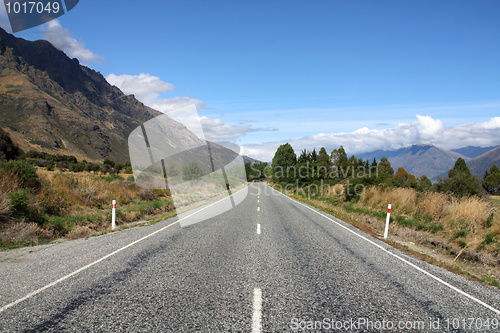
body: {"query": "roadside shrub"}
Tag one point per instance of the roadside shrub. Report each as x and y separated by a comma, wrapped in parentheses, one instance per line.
(79, 231)
(4, 208)
(489, 238)
(18, 203)
(8, 150)
(25, 172)
(112, 177)
(52, 202)
(146, 194)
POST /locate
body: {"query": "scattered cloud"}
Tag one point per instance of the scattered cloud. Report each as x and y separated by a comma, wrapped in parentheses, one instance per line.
(218, 130)
(423, 130)
(62, 39)
(147, 89)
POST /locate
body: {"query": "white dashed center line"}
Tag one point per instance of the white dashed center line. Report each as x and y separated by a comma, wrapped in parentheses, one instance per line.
(257, 311)
(258, 228)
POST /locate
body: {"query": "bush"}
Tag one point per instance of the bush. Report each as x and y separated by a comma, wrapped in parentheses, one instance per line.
(25, 172)
(8, 150)
(146, 194)
(112, 177)
(19, 205)
(18, 202)
(191, 171)
(108, 162)
(4, 208)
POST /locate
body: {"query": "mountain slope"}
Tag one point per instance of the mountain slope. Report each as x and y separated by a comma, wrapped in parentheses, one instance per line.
(50, 103)
(485, 161)
(418, 160)
(472, 151)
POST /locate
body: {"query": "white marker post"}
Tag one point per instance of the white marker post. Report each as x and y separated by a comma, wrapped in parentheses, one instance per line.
(386, 232)
(113, 215)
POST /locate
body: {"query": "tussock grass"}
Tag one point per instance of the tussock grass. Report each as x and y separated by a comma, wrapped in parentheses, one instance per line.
(72, 205)
(333, 191)
(433, 218)
(403, 200)
(469, 222)
(4, 207)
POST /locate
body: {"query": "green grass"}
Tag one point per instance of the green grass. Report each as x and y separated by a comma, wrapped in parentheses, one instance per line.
(496, 200)
(378, 214)
(24, 243)
(489, 238)
(334, 201)
(112, 177)
(459, 234)
(491, 280)
(64, 224)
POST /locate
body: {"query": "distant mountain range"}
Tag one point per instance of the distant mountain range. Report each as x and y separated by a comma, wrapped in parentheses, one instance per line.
(435, 162)
(484, 162)
(51, 103)
(472, 151)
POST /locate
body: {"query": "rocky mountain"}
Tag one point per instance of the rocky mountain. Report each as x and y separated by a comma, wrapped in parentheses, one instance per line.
(419, 160)
(472, 151)
(484, 162)
(51, 103)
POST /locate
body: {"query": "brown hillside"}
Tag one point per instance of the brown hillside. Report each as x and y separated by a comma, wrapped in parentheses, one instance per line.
(51, 103)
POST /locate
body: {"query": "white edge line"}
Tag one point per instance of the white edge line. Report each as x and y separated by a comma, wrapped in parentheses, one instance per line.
(398, 257)
(257, 311)
(5, 307)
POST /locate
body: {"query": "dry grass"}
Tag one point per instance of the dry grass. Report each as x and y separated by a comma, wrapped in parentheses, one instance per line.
(469, 222)
(8, 183)
(443, 207)
(79, 231)
(74, 205)
(4, 208)
(472, 211)
(333, 191)
(403, 200)
(434, 204)
(23, 233)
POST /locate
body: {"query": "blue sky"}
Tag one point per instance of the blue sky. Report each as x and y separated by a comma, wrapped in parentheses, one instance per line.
(365, 74)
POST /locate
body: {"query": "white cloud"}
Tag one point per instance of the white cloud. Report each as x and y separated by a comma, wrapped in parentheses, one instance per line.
(423, 129)
(147, 89)
(218, 130)
(62, 39)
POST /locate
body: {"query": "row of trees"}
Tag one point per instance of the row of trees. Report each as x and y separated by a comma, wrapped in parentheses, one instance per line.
(311, 167)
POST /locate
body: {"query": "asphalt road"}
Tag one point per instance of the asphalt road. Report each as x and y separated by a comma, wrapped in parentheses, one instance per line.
(271, 264)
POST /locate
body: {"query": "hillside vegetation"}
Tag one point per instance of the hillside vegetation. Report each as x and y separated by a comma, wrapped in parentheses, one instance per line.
(38, 206)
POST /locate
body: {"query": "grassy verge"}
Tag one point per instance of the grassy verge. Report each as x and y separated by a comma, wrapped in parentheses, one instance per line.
(439, 229)
(38, 206)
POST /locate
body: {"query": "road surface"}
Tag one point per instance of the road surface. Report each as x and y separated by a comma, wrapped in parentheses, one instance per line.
(271, 264)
